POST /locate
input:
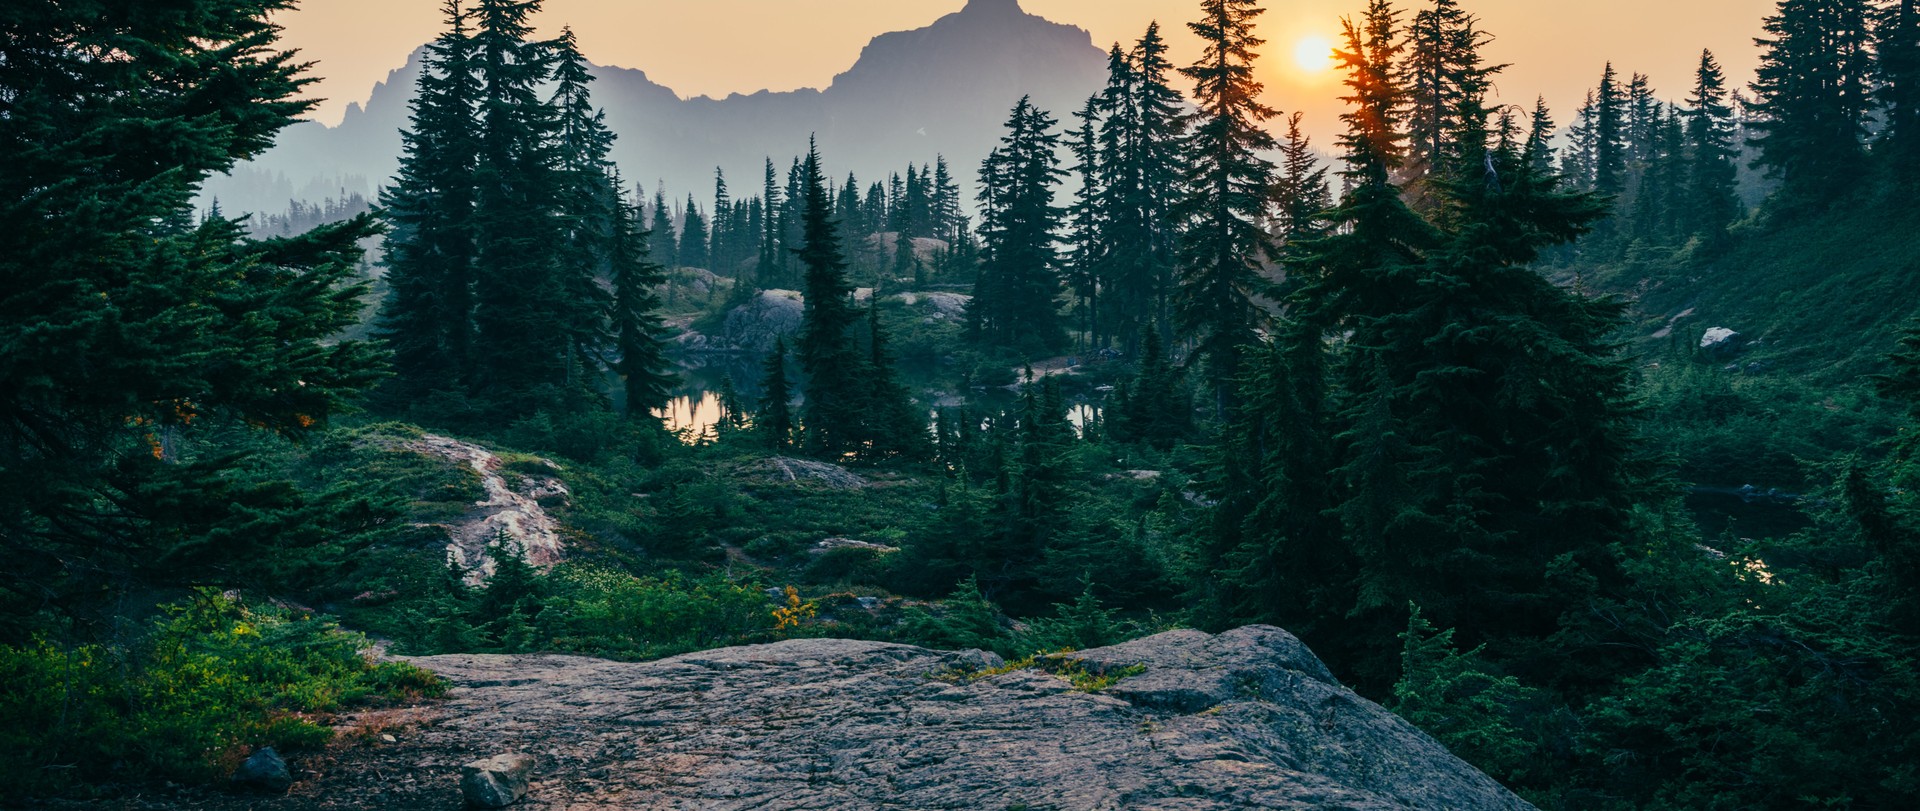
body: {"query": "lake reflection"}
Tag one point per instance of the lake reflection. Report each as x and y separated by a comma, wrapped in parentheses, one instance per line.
(695, 408)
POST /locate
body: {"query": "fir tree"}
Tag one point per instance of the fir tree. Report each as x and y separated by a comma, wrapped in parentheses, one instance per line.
(1228, 184)
(587, 197)
(1301, 192)
(1016, 298)
(768, 273)
(833, 416)
(1085, 243)
(1482, 408)
(717, 245)
(1143, 164)
(1609, 134)
(642, 363)
(1443, 75)
(946, 201)
(894, 427)
(693, 237)
(522, 300)
(1897, 46)
(124, 325)
(775, 419)
(661, 240)
(1813, 95)
(427, 319)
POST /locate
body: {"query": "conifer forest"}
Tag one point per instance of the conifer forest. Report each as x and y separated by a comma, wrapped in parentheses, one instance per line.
(1586, 441)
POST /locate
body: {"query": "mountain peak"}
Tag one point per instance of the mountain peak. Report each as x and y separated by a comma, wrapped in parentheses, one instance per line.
(993, 7)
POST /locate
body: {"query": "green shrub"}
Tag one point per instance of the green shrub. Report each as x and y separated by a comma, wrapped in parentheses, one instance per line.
(213, 680)
(608, 612)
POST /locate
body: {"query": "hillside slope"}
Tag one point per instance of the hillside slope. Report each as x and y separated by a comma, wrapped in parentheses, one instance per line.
(1821, 296)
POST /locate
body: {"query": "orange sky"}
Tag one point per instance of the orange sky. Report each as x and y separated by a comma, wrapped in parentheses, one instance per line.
(716, 47)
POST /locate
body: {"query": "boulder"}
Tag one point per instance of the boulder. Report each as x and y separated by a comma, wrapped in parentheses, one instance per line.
(265, 771)
(763, 319)
(496, 782)
(1721, 342)
(1244, 719)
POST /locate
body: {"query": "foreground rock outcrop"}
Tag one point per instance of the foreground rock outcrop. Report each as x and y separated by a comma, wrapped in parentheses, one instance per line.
(1246, 719)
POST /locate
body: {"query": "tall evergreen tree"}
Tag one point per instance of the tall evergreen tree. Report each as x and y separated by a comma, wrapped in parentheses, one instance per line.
(1444, 75)
(767, 274)
(833, 416)
(1813, 95)
(1228, 184)
(1085, 234)
(775, 419)
(124, 325)
(1609, 134)
(946, 201)
(693, 237)
(1301, 191)
(1145, 123)
(1481, 409)
(522, 300)
(1016, 298)
(661, 240)
(587, 200)
(717, 244)
(1711, 202)
(1897, 46)
(642, 363)
(427, 319)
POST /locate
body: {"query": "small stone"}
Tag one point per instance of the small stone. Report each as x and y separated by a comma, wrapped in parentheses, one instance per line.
(389, 738)
(264, 771)
(496, 782)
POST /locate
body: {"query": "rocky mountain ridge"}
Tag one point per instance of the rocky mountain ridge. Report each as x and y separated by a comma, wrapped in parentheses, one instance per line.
(940, 90)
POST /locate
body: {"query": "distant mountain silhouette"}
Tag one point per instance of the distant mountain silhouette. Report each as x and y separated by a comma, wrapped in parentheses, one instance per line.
(945, 89)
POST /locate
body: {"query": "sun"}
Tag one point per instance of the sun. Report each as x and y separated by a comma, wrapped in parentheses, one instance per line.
(1313, 54)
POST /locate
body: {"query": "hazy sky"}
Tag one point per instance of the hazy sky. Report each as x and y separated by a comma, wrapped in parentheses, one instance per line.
(716, 47)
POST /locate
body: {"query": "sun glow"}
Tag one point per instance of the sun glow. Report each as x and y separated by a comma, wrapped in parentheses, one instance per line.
(1313, 54)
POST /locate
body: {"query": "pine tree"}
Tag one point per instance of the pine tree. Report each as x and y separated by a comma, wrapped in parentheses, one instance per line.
(1813, 95)
(833, 416)
(1016, 298)
(1609, 134)
(1443, 74)
(693, 238)
(946, 201)
(1301, 191)
(1156, 409)
(1276, 550)
(1085, 243)
(1897, 46)
(1143, 164)
(642, 364)
(1538, 151)
(124, 324)
(427, 319)
(768, 273)
(522, 300)
(586, 199)
(775, 420)
(661, 241)
(1228, 184)
(1482, 410)
(1577, 161)
(1711, 203)
(717, 245)
(894, 427)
